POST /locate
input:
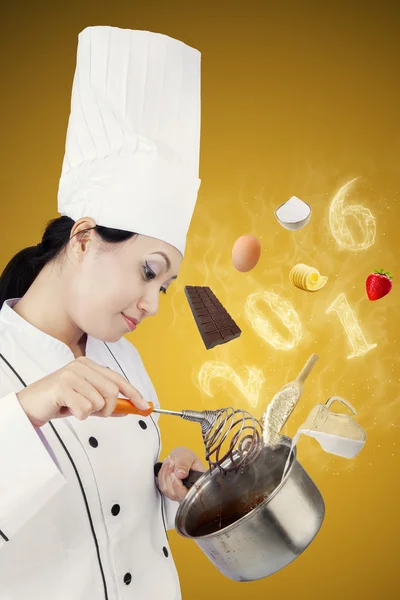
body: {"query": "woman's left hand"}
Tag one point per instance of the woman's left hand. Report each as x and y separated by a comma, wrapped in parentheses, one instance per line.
(175, 468)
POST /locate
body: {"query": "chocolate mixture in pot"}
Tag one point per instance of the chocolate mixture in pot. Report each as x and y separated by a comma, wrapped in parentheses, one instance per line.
(211, 525)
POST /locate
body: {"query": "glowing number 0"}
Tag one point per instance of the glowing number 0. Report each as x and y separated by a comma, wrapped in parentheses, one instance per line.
(263, 327)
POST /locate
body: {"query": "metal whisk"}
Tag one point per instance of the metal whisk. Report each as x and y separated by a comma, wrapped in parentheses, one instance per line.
(227, 433)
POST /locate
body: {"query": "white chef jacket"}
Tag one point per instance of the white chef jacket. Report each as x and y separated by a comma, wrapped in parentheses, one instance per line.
(79, 505)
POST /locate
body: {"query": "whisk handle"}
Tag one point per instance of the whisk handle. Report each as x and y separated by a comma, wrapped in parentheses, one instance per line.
(188, 482)
(126, 407)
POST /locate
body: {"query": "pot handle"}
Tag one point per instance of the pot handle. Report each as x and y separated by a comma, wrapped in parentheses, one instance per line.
(188, 482)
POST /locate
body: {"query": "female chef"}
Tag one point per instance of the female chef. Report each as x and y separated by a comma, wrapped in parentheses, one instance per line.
(81, 514)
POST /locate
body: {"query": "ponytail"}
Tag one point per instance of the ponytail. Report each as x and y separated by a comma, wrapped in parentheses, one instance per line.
(25, 266)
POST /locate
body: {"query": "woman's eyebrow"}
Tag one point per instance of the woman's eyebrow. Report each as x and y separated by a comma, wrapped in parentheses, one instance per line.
(165, 257)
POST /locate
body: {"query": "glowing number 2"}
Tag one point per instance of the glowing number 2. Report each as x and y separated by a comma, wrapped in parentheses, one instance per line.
(250, 389)
(351, 327)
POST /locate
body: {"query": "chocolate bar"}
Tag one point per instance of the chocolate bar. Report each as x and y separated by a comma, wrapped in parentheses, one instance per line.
(214, 323)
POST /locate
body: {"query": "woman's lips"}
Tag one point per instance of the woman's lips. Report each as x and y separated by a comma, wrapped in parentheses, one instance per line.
(130, 322)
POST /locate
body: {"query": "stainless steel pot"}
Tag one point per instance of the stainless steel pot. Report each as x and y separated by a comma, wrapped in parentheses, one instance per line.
(266, 522)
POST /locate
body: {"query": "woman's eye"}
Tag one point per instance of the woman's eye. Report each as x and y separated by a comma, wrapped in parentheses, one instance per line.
(148, 273)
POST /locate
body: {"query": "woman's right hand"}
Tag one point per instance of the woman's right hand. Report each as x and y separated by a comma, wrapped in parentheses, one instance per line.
(82, 388)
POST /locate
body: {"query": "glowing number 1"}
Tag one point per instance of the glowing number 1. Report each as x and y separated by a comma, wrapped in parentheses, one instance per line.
(351, 327)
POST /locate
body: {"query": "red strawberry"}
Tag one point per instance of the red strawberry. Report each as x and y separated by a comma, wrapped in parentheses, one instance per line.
(378, 284)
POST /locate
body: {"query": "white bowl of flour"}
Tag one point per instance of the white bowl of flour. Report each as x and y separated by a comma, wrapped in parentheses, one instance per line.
(293, 214)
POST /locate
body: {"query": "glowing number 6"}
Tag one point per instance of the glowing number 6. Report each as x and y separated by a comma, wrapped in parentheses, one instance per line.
(337, 221)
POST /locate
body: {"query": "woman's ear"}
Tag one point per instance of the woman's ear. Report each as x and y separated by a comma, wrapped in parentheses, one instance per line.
(81, 235)
(82, 225)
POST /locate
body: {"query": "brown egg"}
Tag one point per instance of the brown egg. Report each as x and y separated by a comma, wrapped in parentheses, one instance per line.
(246, 253)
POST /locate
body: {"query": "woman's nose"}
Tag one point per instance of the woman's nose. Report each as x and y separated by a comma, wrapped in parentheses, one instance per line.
(149, 304)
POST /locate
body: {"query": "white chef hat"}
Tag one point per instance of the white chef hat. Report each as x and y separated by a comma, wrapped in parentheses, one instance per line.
(132, 149)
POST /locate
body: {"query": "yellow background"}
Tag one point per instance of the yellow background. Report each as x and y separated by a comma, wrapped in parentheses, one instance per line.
(297, 99)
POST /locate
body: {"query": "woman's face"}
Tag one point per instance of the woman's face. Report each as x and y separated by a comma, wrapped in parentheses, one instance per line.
(106, 286)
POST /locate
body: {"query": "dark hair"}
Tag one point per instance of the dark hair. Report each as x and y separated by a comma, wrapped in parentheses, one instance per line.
(25, 266)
